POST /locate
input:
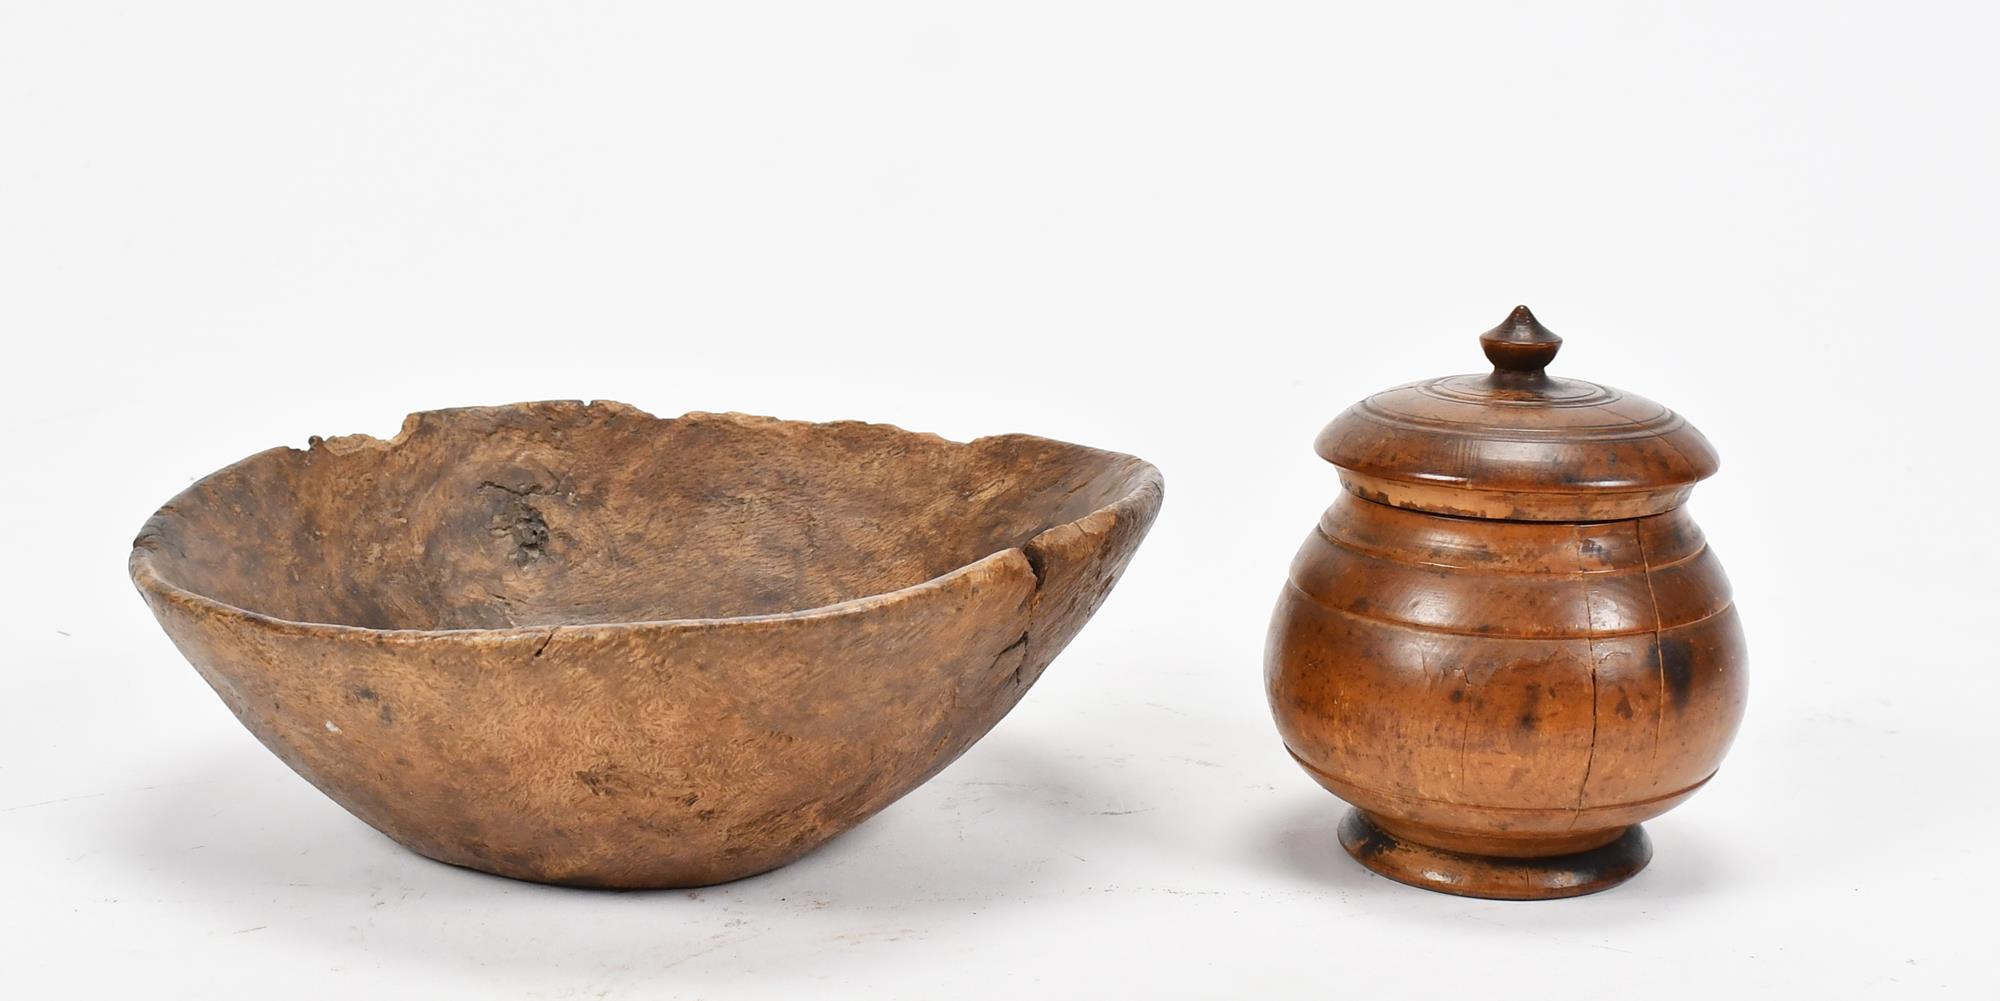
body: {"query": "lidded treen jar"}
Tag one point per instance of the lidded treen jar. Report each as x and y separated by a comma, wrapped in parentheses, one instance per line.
(1506, 643)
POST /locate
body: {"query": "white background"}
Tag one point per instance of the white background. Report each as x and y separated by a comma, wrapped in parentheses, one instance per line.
(1190, 232)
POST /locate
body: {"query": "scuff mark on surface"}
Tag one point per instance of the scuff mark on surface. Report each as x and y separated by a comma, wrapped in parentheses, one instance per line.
(544, 644)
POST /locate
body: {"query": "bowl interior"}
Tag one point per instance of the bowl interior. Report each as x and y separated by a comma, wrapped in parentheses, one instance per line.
(567, 513)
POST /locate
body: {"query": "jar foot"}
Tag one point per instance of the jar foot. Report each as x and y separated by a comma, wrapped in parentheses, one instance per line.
(1495, 877)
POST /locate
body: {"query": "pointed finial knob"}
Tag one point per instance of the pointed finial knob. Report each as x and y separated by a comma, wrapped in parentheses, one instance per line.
(1520, 344)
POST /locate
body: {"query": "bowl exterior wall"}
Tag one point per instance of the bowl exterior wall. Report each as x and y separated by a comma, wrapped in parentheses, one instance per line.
(1506, 680)
(636, 756)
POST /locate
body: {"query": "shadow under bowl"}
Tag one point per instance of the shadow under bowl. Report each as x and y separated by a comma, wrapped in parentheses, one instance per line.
(575, 643)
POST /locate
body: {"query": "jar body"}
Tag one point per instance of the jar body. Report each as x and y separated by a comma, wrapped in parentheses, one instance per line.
(1506, 689)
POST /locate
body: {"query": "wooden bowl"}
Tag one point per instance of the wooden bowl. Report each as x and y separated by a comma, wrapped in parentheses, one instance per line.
(575, 643)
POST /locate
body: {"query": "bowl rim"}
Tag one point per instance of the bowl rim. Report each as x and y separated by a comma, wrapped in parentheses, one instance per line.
(1145, 479)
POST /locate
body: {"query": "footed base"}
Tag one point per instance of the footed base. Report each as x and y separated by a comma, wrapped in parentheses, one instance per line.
(1491, 876)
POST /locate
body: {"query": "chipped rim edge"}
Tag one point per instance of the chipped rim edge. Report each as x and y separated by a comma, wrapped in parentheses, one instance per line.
(1146, 479)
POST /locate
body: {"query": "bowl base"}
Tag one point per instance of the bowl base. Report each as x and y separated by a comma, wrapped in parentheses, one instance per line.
(1494, 877)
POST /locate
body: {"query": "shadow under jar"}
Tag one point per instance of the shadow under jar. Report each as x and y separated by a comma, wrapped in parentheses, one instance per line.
(1507, 643)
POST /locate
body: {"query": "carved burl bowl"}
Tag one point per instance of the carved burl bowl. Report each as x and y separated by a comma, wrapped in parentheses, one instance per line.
(579, 644)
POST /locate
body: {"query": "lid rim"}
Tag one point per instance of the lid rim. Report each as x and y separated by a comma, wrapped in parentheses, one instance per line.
(1517, 505)
(1604, 488)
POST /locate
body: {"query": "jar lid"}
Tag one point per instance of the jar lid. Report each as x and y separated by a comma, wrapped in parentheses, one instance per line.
(1517, 443)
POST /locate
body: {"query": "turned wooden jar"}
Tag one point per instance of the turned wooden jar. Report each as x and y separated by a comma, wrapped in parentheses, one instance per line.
(1506, 643)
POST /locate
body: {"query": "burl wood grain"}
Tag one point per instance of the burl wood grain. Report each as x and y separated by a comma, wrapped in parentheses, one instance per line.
(1507, 643)
(579, 644)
